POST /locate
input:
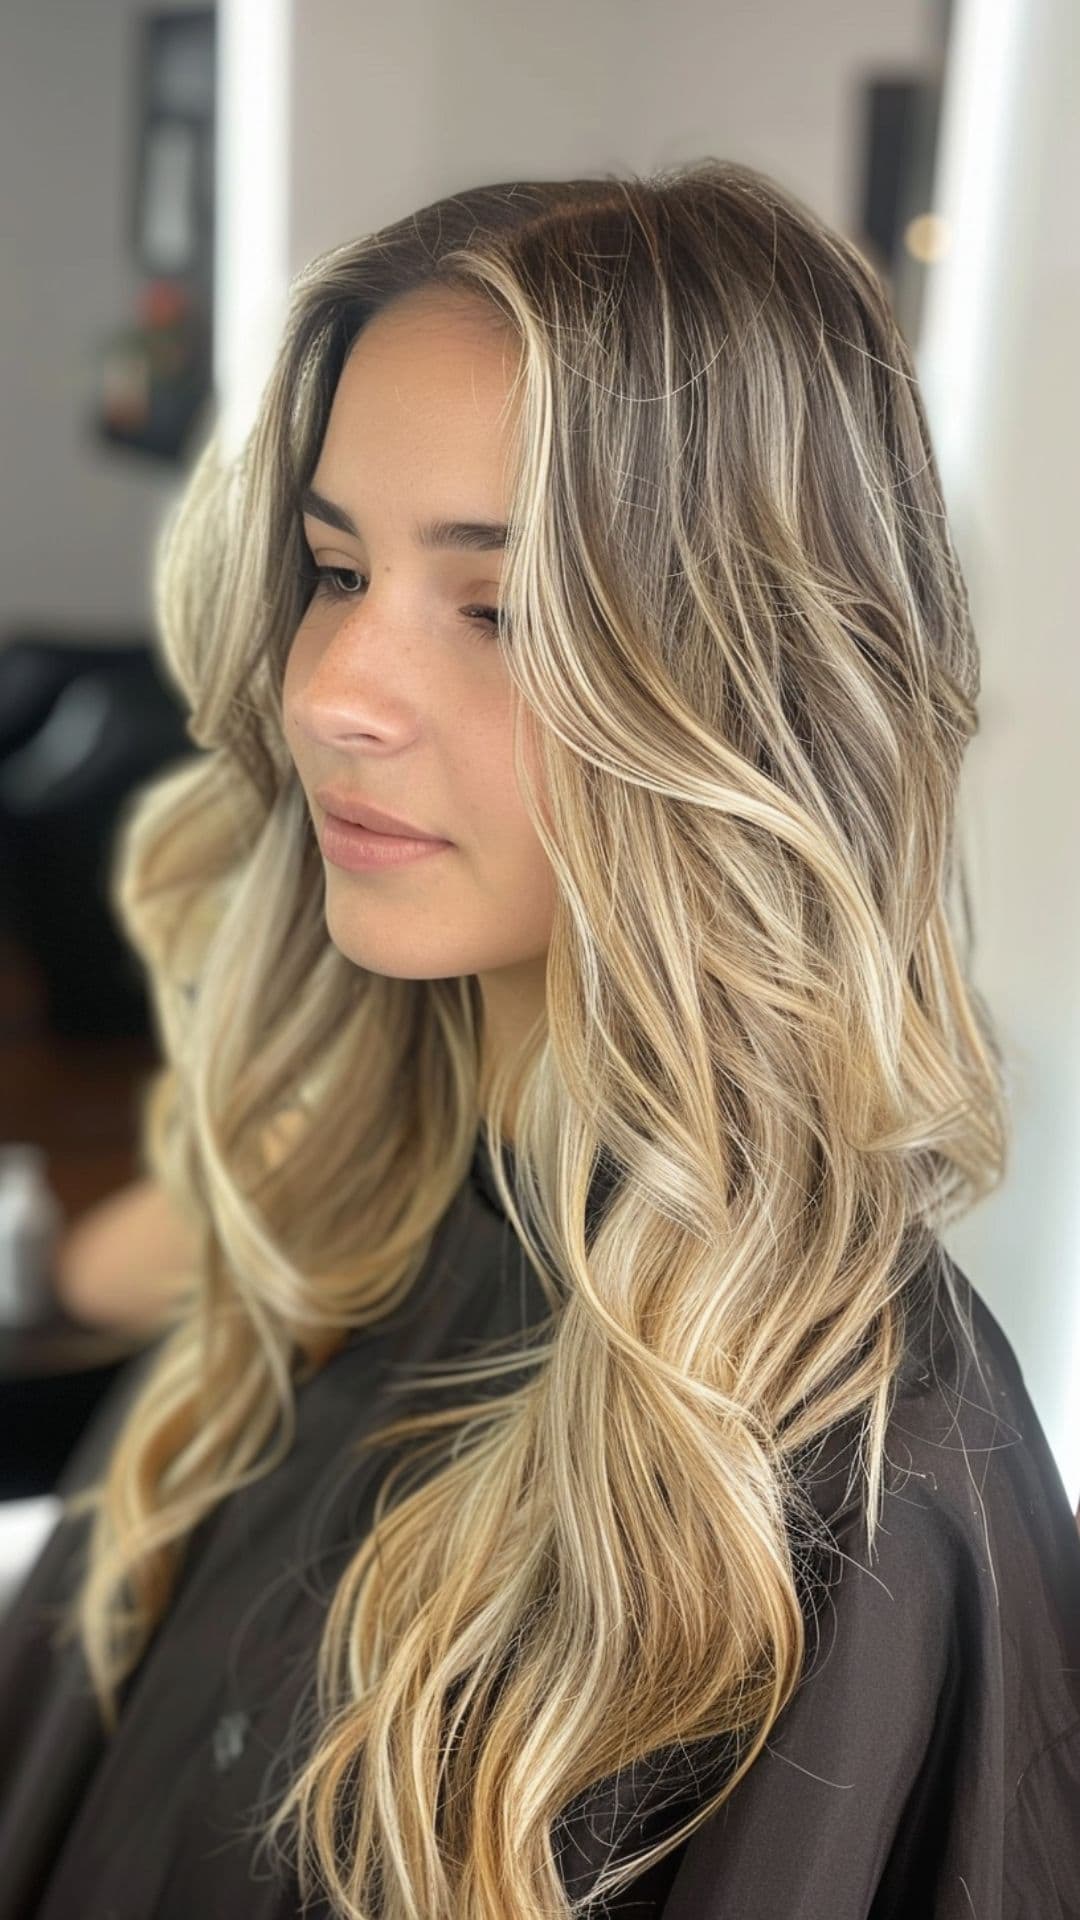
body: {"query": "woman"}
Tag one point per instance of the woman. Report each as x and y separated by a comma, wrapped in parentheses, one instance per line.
(575, 1468)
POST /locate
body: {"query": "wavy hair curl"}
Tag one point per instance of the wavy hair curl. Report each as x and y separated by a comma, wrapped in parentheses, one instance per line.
(740, 639)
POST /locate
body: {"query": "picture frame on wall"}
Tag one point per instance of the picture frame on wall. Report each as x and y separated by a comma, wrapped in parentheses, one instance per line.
(173, 206)
(154, 368)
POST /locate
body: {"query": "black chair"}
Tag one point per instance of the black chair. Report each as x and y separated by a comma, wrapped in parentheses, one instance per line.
(80, 727)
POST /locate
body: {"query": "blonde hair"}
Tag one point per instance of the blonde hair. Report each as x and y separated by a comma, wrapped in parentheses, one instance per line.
(738, 633)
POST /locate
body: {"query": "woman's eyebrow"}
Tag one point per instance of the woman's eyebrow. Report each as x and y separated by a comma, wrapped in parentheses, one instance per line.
(474, 536)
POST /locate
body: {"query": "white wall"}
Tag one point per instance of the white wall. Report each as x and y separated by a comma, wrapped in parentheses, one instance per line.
(392, 109)
(369, 114)
(998, 365)
(76, 518)
(371, 111)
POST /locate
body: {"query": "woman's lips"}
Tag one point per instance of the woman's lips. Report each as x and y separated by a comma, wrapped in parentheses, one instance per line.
(346, 844)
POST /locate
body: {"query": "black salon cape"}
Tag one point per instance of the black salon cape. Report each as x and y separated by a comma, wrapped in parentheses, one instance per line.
(927, 1768)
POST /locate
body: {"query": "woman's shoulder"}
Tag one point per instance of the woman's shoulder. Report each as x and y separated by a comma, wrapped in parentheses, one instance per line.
(966, 1443)
(971, 1593)
(963, 1441)
(929, 1759)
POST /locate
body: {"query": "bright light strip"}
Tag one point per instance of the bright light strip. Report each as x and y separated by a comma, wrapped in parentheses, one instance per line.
(979, 121)
(252, 204)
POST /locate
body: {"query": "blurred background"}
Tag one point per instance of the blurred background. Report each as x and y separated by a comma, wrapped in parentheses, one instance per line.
(164, 172)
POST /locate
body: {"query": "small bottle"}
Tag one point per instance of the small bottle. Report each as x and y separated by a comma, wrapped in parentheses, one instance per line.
(30, 1221)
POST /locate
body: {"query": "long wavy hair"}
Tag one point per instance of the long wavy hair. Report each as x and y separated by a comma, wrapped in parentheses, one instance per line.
(740, 642)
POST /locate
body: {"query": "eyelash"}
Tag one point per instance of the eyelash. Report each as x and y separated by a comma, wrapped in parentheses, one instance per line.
(321, 579)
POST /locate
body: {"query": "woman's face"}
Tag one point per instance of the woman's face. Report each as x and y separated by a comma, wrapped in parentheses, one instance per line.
(395, 691)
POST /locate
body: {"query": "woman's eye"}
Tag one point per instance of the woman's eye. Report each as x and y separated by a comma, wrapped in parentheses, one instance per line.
(330, 579)
(343, 583)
